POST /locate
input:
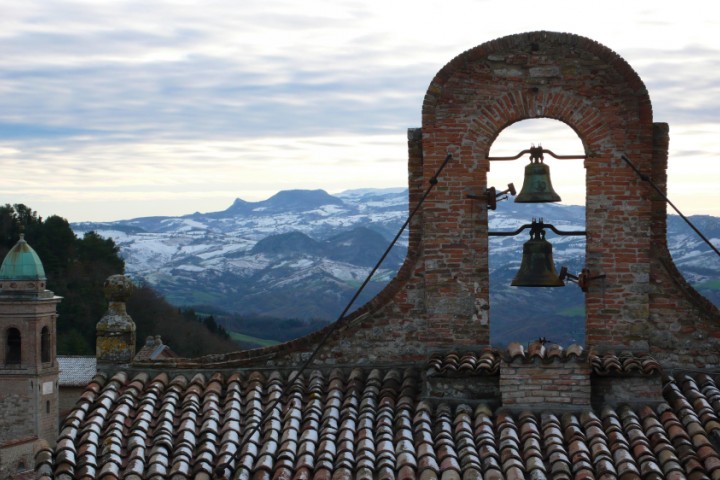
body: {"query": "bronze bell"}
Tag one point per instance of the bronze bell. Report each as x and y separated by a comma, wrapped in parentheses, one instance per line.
(537, 187)
(537, 268)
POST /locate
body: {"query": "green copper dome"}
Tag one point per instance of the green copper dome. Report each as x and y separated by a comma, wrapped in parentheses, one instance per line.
(22, 263)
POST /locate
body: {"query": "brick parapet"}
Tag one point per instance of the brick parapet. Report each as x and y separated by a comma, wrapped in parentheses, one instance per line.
(537, 385)
(684, 326)
(465, 389)
(632, 390)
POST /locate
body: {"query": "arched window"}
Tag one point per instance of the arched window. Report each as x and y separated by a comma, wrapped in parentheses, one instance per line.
(526, 314)
(13, 351)
(45, 345)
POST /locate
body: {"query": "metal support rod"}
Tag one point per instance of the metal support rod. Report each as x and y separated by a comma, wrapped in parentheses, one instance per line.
(255, 429)
(544, 150)
(536, 225)
(646, 178)
(581, 280)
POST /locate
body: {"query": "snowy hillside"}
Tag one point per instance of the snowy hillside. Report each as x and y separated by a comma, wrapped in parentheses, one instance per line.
(302, 254)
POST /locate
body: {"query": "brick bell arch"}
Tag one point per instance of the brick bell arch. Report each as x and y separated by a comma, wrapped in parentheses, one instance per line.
(643, 303)
(541, 75)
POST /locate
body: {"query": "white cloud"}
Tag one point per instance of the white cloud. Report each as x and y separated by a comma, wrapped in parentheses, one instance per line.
(205, 175)
(125, 100)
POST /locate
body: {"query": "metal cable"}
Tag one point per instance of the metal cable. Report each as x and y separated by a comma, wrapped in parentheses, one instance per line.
(331, 329)
(647, 179)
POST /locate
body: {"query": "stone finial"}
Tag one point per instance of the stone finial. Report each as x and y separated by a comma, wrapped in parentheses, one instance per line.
(115, 332)
(118, 288)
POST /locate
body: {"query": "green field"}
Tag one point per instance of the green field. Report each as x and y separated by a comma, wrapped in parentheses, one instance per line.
(261, 342)
(708, 284)
(576, 311)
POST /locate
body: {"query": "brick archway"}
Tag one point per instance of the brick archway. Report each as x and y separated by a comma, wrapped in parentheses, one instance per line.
(539, 75)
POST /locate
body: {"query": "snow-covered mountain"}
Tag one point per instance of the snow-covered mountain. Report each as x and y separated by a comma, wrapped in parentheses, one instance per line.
(298, 254)
(302, 254)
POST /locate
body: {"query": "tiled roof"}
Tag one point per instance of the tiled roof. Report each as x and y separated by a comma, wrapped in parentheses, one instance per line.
(484, 363)
(487, 362)
(624, 364)
(369, 424)
(76, 371)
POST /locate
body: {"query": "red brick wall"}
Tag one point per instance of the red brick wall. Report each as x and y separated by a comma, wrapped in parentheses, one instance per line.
(537, 385)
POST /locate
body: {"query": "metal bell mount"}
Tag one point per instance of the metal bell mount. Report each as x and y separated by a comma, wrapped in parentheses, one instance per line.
(537, 268)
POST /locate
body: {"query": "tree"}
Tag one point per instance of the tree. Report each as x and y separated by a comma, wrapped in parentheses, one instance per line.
(184, 331)
(58, 244)
(15, 219)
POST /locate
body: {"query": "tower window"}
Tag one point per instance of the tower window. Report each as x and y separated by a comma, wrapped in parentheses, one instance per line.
(45, 345)
(13, 351)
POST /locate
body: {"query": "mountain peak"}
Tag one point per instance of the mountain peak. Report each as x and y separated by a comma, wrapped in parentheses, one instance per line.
(239, 202)
(286, 201)
(301, 200)
(287, 243)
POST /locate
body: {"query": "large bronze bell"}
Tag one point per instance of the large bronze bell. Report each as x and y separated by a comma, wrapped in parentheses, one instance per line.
(537, 187)
(537, 268)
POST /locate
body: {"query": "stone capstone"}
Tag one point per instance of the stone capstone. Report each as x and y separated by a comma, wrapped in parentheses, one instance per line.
(115, 332)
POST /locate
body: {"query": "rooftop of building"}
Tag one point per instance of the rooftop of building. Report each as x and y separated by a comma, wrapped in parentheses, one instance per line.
(374, 423)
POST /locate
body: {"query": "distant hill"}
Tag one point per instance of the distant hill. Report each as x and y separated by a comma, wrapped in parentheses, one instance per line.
(302, 253)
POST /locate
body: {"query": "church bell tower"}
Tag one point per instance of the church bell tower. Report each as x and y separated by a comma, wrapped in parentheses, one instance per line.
(28, 363)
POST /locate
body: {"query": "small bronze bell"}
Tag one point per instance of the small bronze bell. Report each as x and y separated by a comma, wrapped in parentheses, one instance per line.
(537, 268)
(537, 187)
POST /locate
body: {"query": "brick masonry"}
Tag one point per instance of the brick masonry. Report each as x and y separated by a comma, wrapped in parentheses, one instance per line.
(440, 298)
(633, 390)
(28, 397)
(537, 385)
(28, 389)
(68, 397)
(467, 389)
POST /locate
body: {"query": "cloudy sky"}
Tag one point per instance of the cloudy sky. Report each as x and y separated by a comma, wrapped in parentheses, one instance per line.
(116, 109)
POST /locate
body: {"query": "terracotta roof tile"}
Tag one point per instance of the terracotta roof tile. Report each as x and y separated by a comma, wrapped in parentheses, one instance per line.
(625, 363)
(471, 363)
(369, 424)
(487, 362)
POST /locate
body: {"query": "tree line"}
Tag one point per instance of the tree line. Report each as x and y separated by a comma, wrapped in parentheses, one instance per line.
(76, 269)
